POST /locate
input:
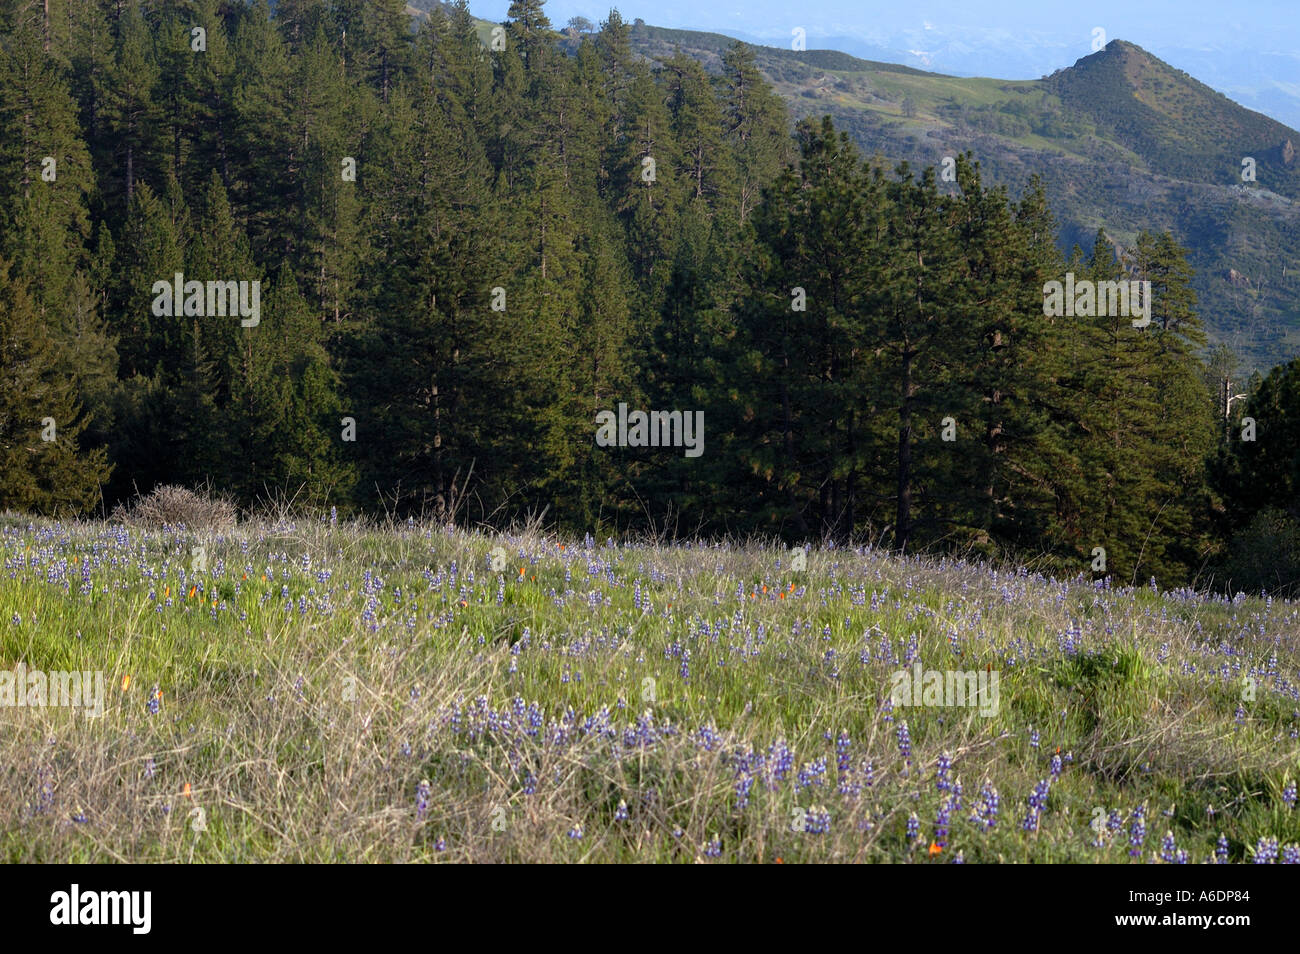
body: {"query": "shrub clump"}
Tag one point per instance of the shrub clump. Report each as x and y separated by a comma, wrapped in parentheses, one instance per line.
(171, 506)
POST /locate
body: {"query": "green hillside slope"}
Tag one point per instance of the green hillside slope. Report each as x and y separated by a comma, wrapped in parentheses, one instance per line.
(1123, 142)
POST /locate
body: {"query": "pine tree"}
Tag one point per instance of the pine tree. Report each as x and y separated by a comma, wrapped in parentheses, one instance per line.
(41, 466)
(1133, 427)
(434, 231)
(757, 126)
(266, 151)
(90, 50)
(298, 20)
(804, 325)
(996, 339)
(646, 190)
(922, 304)
(151, 250)
(284, 413)
(46, 178)
(131, 114)
(703, 160)
(1183, 430)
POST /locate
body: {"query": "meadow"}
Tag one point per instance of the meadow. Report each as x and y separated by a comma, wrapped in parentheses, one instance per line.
(306, 690)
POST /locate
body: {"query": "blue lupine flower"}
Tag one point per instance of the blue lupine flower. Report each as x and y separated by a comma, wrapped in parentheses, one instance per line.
(843, 759)
(941, 824)
(941, 773)
(1037, 802)
(817, 821)
(986, 809)
(422, 792)
(811, 774)
(1265, 851)
(1168, 849)
(1137, 831)
(904, 742)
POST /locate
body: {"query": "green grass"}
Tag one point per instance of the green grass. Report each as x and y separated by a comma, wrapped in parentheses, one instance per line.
(303, 736)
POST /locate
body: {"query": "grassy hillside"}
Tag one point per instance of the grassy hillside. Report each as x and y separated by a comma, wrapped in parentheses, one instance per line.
(1123, 142)
(322, 693)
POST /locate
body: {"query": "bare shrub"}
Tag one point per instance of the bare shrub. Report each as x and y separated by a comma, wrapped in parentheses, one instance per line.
(171, 506)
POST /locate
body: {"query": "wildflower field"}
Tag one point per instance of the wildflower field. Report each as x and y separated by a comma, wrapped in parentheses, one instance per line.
(311, 691)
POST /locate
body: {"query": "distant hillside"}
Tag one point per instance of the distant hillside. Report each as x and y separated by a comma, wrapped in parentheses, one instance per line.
(1122, 140)
(658, 43)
